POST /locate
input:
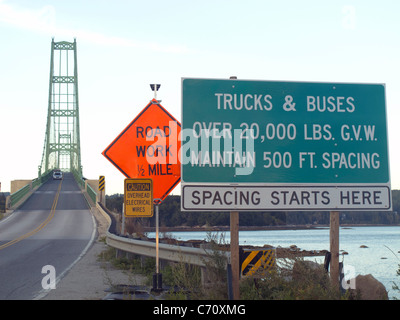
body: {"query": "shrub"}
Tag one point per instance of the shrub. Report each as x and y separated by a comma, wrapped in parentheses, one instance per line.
(293, 279)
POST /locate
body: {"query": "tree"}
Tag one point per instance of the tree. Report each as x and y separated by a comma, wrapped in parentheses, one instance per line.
(171, 215)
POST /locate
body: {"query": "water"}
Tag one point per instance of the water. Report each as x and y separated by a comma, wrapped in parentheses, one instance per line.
(377, 259)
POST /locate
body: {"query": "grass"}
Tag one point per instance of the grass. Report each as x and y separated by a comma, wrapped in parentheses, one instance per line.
(134, 264)
(291, 279)
(395, 286)
(185, 280)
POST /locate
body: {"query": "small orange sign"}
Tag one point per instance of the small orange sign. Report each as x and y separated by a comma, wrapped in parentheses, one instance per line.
(148, 148)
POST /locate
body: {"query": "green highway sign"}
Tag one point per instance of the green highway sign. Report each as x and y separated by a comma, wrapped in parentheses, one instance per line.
(266, 133)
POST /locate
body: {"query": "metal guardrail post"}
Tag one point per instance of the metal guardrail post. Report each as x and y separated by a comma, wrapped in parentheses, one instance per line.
(157, 277)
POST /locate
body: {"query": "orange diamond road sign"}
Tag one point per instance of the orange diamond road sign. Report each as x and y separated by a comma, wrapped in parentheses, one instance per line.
(148, 148)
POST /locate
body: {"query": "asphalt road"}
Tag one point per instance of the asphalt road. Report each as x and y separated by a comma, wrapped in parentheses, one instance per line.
(52, 228)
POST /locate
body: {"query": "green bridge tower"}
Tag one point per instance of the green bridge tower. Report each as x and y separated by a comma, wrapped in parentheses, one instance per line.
(62, 142)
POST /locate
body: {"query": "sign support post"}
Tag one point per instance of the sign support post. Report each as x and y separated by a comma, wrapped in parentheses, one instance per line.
(234, 230)
(157, 277)
(123, 221)
(334, 247)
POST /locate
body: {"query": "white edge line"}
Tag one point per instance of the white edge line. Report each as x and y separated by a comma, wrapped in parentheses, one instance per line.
(44, 292)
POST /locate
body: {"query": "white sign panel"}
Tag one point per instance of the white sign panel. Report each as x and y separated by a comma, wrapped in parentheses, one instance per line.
(303, 198)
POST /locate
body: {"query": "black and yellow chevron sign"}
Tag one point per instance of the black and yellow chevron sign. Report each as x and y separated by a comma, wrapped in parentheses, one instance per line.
(257, 260)
(102, 183)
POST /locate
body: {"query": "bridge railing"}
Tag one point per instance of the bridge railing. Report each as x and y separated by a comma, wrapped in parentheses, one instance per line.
(23, 193)
(18, 195)
(92, 194)
(85, 186)
(78, 178)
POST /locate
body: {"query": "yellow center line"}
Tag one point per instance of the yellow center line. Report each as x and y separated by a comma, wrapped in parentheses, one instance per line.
(41, 226)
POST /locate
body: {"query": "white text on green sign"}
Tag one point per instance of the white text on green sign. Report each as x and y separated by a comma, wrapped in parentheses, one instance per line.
(283, 132)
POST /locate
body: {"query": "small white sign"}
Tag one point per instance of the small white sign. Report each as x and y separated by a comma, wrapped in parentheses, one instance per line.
(271, 198)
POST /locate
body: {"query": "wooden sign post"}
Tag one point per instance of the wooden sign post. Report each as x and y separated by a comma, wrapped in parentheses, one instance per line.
(234, 226)
(334, 247)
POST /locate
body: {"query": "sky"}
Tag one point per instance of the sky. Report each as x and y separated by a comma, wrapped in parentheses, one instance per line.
(123, 46)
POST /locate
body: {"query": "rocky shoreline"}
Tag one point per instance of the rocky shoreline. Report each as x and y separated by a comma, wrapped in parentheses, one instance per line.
(291, 252)
(227, 228)
(255, 228)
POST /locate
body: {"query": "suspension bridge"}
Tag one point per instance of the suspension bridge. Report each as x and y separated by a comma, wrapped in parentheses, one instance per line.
(48, 222)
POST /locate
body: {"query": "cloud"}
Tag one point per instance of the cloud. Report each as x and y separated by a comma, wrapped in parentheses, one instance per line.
(44, 21)
(38, 20)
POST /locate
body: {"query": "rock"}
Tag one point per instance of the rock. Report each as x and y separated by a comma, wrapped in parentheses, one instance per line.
(368, 288)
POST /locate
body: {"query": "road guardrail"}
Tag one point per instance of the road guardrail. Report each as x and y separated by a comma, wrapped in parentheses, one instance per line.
(175, 253)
